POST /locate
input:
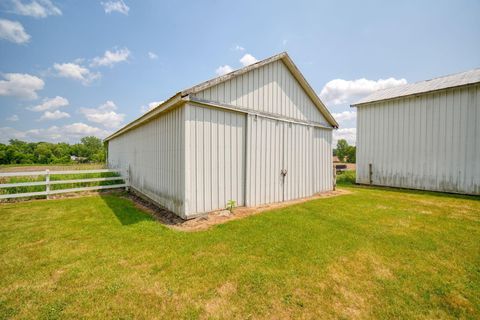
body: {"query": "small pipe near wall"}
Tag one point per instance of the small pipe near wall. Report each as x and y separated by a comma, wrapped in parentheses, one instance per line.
(334, 178)
(370, 173)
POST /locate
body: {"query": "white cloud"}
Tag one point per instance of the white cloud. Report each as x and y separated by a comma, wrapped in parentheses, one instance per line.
(20, 85)
(223, 70)
(36, 8)
(248, 59)
(76, 72)
(150, 106)
(50, 104)
(345, 116)
(82, 129)
(349, 134)
(55, 115)
(115, 6)
(7, 133)
(238, 48)
(341, 91)
(67, 133)
(284, 42)
(13, 118)
(13, 31)
(105, 114)
(152, 55)
(110, 58)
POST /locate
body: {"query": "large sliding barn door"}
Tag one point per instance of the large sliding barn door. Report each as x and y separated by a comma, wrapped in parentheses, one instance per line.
(279, 161)
(298, 157)
(264, 159)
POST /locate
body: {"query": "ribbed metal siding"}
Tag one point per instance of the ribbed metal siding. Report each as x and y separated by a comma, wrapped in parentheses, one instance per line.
(265, 159)
(215, 158)
(322, 160)
(273, 145)
(271, 88)
(298, 160)
(427, 142)
(154, 152)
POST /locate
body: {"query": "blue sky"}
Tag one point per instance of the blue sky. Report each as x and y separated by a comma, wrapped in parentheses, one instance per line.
(73, 68)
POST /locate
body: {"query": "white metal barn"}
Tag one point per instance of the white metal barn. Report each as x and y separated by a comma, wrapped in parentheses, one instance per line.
(256, 135)
(424, 135)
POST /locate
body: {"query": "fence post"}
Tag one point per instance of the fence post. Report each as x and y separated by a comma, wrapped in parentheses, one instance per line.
(334, 178)
(47, 181)
(127, 179)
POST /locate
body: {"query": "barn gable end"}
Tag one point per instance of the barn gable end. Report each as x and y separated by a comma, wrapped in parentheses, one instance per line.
(271, 88)
(254, 136)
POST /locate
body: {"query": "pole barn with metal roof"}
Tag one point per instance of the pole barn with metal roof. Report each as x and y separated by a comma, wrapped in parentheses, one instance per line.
(257, 135)
(424, 135)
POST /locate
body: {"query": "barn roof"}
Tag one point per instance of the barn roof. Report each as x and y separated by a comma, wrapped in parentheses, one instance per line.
(178, 97)
(450, 81)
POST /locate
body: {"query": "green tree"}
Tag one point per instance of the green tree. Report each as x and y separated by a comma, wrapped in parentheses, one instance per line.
(18, 151)
(92, 143)
(351, 154)
(342, 149)
(345, 152)
(43, 153)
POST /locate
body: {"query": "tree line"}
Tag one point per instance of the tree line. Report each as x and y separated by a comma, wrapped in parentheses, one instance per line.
(345, 152)
(89, 149)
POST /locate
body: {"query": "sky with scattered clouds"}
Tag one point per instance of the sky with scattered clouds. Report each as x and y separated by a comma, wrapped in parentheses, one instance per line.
(74, 68)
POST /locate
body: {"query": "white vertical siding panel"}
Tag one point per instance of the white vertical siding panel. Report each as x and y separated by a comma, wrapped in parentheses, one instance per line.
(200, 172)
(305, 152)
(474, 128)
(140, 150)
(222, 150)
(432, 141)
(322, 160)
(463, 138)
(425, 142)
(216, 160)
(264, 143)
(190, 145)
(448, 137)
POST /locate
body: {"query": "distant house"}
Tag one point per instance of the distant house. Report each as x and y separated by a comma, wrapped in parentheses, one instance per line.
(424, 135)
(256, 135)
(78, 159)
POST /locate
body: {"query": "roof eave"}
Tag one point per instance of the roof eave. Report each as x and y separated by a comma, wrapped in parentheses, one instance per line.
(217, 80)
(310, 92)
(359, 104)
(167, 104)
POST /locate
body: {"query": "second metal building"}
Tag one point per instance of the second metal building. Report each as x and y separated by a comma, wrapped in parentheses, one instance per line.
(424, 135)
(256, 135)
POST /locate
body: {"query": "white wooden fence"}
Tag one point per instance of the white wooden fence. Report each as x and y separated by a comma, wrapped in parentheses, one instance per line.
(47, 183)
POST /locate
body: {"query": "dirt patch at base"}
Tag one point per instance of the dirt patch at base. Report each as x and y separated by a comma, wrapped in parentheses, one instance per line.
(162, 215)
(217, 217)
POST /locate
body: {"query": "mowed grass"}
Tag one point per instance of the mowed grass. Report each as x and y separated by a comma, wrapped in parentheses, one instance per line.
(374, 253)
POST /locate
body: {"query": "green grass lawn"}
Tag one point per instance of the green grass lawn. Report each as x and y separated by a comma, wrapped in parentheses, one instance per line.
(374, 253)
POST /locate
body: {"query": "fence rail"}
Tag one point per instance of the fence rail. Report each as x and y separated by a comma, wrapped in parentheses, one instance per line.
(47, 183)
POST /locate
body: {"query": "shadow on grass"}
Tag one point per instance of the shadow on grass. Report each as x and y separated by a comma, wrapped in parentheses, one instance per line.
(416, 191)
(347, 179)
(124, 209)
